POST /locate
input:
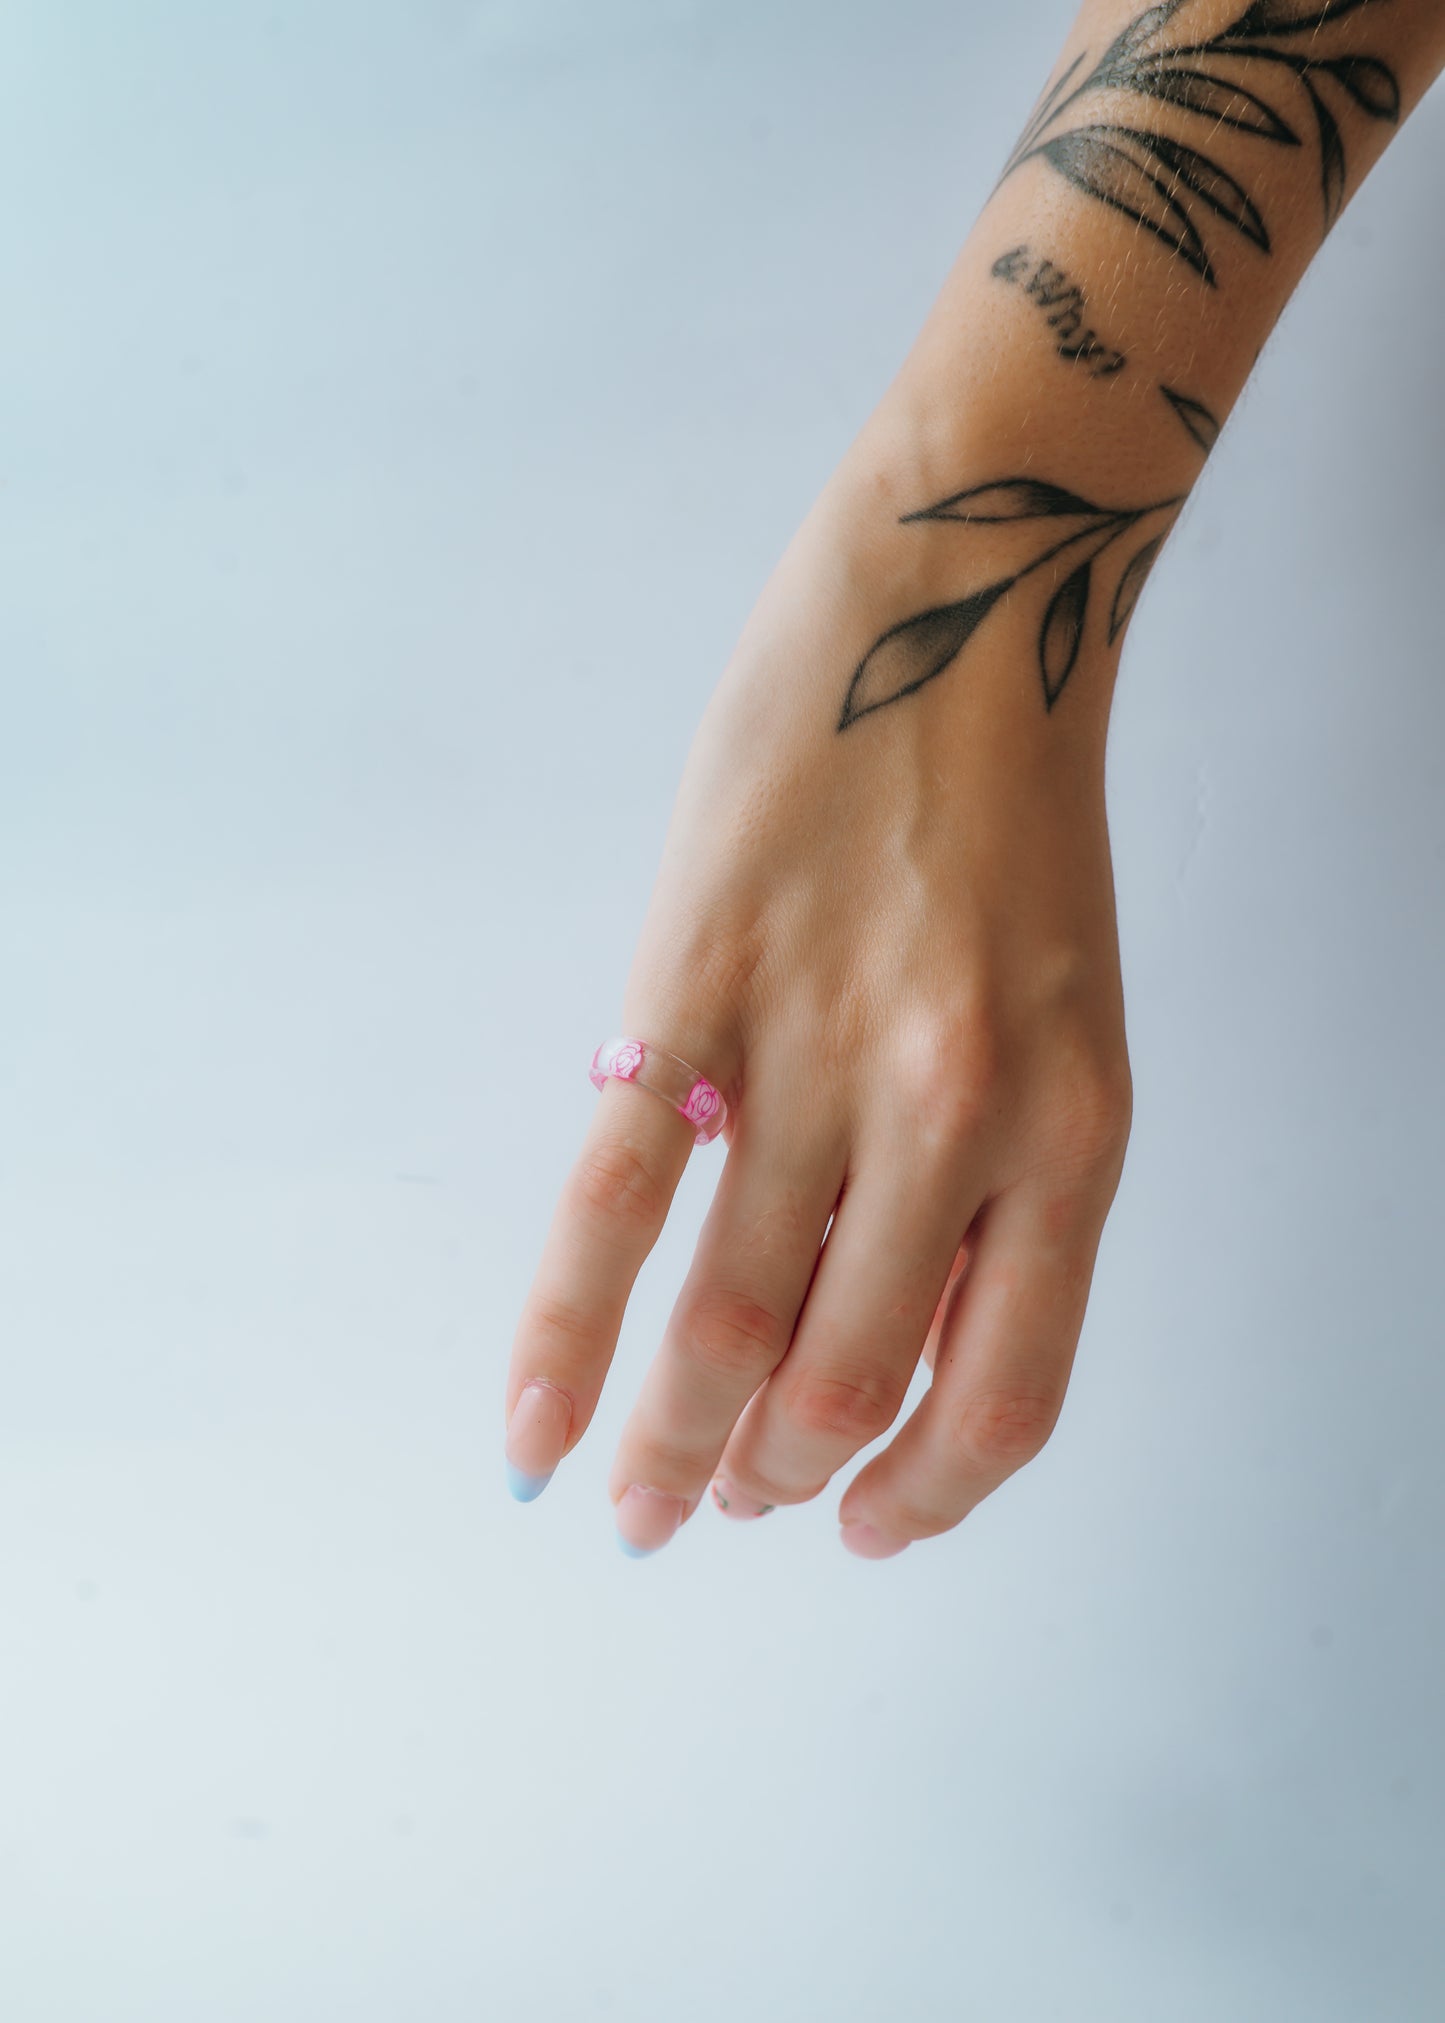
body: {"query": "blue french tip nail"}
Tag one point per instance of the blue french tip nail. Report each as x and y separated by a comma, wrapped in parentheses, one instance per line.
(635, 1551)
(526, 1488)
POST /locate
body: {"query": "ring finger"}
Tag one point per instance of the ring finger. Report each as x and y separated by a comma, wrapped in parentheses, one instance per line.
(1008, 1339)
(894, 1239)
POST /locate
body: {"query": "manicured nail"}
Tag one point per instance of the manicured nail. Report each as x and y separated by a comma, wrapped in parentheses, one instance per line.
(732, 1504)
(869, 1543)
(536, 1435)
(646, 1519)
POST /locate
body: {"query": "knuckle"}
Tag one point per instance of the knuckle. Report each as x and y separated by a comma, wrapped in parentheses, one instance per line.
(961, 1107)
(613, 1181)
(730, 1335)
(653, 1456)
(699, 973)
(841, 1031)
(1091, 1109)
(1103, 1107)
(908, 1518)
(723, 970)
(1071, 1220)
(558, 1328)
(949, 1075)
(999, 1431)
(852, 1408)
(706, 964)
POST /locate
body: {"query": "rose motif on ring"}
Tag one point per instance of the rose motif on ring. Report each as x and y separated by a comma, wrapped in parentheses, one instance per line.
(703, 1103)
(625, 1060)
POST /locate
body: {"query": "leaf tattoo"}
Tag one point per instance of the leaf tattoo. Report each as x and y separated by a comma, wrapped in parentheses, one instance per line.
(1221, 102)
(1371, 84)
(1014, 499)
(918, 650)
(1094, 161)
(1063, 632)
(1332, 155)
(1130, 584)
(1289, 17)
(1170, 188)
(1195, 416)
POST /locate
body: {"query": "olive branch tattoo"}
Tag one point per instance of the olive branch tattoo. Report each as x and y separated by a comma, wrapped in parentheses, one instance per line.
(915, 652)
(1170, 188)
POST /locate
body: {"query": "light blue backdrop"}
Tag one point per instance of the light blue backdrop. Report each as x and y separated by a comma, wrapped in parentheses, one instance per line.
(400, 407)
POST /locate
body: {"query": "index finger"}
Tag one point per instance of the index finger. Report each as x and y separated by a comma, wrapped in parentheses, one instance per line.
(609, 1215)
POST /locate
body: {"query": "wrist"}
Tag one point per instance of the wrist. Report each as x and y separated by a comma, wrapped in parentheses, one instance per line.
(984, 394)
(992, 561)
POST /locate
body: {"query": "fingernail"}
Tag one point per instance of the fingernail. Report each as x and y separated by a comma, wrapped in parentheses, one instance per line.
(646, 1519)
(869, 1543)
(536, 1435)
(732, 1504)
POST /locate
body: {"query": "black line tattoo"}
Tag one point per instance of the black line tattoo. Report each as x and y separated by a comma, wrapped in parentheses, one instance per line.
(1171, 189)
(910, 655)
(1195, 416)
(1064, 307)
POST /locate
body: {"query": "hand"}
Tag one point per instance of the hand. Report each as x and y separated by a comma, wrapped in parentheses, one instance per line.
(893, 947)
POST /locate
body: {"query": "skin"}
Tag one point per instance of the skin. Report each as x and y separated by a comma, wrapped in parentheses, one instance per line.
(894, 948)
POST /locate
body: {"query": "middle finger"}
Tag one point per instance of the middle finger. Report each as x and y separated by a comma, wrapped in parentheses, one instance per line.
(878, 1285)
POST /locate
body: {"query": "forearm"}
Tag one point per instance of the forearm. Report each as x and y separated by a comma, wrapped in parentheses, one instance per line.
(1165, 197)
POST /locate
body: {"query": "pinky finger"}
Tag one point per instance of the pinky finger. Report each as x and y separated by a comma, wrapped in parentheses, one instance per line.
(1006, 1342)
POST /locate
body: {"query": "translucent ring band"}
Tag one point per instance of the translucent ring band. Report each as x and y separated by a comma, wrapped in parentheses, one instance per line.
(691, 1094)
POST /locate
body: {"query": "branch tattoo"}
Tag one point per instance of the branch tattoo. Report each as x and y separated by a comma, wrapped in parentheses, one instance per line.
(1175, 191)
(910, 655)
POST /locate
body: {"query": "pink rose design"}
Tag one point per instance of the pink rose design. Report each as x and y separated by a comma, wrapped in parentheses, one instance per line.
(703, 1103)
(625, 1060)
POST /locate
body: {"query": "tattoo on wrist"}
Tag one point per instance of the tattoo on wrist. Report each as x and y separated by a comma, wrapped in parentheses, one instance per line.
(1195, 416)
(1064, 308)
(915, 652)
(1175, 191)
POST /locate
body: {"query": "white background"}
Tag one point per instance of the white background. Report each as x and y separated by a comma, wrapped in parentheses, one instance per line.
(400, 407)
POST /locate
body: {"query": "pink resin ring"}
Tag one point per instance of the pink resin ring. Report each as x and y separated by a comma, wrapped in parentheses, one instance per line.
(692, 1095)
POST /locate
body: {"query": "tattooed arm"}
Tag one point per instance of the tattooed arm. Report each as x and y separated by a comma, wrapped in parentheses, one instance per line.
(1163, 200)
(884, 921)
